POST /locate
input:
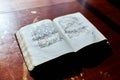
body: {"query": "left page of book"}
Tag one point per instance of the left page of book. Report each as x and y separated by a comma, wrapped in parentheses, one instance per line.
(43, 42)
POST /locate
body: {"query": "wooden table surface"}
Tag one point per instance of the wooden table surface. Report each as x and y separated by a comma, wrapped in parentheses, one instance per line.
(15, 14)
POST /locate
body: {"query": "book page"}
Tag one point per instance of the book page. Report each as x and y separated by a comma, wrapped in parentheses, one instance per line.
(44, 41)
(78, 30)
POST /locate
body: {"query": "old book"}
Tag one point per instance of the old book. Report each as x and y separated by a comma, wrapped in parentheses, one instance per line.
(57, 47)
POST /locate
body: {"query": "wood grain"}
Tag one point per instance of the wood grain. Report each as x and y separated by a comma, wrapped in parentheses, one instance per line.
(16, 14)
(8, 5)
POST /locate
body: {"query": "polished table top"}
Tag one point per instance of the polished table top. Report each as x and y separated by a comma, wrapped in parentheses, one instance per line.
(16, 14)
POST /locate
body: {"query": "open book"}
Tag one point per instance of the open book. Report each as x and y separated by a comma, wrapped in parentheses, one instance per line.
(46, 40)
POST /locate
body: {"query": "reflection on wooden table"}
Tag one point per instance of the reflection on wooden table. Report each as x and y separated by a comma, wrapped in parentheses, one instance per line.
(15, 14)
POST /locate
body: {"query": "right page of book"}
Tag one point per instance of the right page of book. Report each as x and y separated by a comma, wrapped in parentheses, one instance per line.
(78, 31)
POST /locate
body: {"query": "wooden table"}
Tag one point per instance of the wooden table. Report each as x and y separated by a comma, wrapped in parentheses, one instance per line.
(16, 14)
